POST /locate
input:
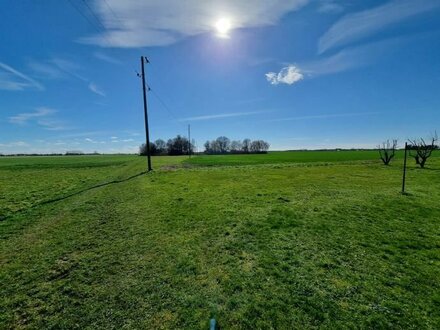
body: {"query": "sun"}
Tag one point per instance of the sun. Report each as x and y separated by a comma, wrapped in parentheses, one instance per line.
(223, 26)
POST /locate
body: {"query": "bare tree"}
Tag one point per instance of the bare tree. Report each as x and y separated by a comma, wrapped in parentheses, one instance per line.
(161, 146)
(246, 145)
(259, 146)
(223, 143)
(421, 150)
(236, 146)
(387, 151)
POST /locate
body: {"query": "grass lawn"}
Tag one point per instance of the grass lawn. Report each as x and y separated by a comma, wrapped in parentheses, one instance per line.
(307, 243)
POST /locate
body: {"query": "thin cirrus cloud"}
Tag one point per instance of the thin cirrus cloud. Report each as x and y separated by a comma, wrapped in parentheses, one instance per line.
(353, 27)
(55, 68)
(106, 58)
(41, 117)
(288, 75)
(352, 57)
(24, 118)
(347, 59)
(325, 116)
(133, 23)
(14, 80)
(222, 116)
(60, 68)
(96, 89)
(330, 7)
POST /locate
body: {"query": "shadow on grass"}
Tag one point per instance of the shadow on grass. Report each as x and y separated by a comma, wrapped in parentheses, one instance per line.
(57, 199)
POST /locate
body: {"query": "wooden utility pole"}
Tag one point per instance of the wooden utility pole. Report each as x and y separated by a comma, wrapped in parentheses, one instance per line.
(404, 169)
(147, 135)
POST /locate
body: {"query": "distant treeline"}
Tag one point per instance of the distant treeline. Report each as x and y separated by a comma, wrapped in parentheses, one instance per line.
(177, 146)
(67, 153)
(223, 145)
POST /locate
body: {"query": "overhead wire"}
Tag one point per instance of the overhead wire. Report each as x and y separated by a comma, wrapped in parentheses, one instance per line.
(102, 30)
(94, 15)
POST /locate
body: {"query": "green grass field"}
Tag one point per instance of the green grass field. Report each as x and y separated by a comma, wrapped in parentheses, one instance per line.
(283, 240)
(286, 157)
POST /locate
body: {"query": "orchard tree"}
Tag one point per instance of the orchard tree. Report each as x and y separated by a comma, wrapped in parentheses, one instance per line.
(421, 150)
(387, 151)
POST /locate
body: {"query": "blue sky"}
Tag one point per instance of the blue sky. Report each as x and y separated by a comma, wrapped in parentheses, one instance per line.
(297, 73)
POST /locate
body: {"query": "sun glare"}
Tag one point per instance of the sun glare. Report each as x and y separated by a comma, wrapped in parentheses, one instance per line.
(223, 26)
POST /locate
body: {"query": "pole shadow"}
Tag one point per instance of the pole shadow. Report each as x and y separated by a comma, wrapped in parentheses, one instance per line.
(57, 199)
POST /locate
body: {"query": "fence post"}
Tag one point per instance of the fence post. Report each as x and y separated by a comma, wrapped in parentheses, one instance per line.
(404, 170)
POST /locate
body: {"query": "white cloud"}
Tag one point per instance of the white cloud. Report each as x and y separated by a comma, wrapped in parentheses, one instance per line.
(45, 70)
(94, 141)
(350, 58)
(68, 67)
(41, 117)
(133, 23)
(347, 59)
(23, 118)
(221, 115)
(52, 125)
(95, 89)
(56, 68)
(288, 75)
(14, 80)
(14, 144)
(325, 116)
(106, 58)
(355, 26)
(330, 6)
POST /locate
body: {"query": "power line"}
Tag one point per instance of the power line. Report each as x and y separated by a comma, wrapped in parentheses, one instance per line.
(93, 14)
(111, 10)
(85, 16)
(102, 30)
(164, 104)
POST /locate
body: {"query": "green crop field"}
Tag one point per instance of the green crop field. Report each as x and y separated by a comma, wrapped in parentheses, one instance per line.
(287, 157)
(284, 240)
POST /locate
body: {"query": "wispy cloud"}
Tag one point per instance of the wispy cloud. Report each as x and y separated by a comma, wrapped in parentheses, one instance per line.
(325, 116)
(158, 23)
(330, 6)
(41, 117)
(106, 58)
(13, 80)
(347, 59)
(288, 75)
(52, 125)
(24, 118)
(356, 26)
(96, 89)
(89, 140)
(221, 116)
(45, 70)
(69, 67)
(56, 68)
(352, 57)
(14, 144)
